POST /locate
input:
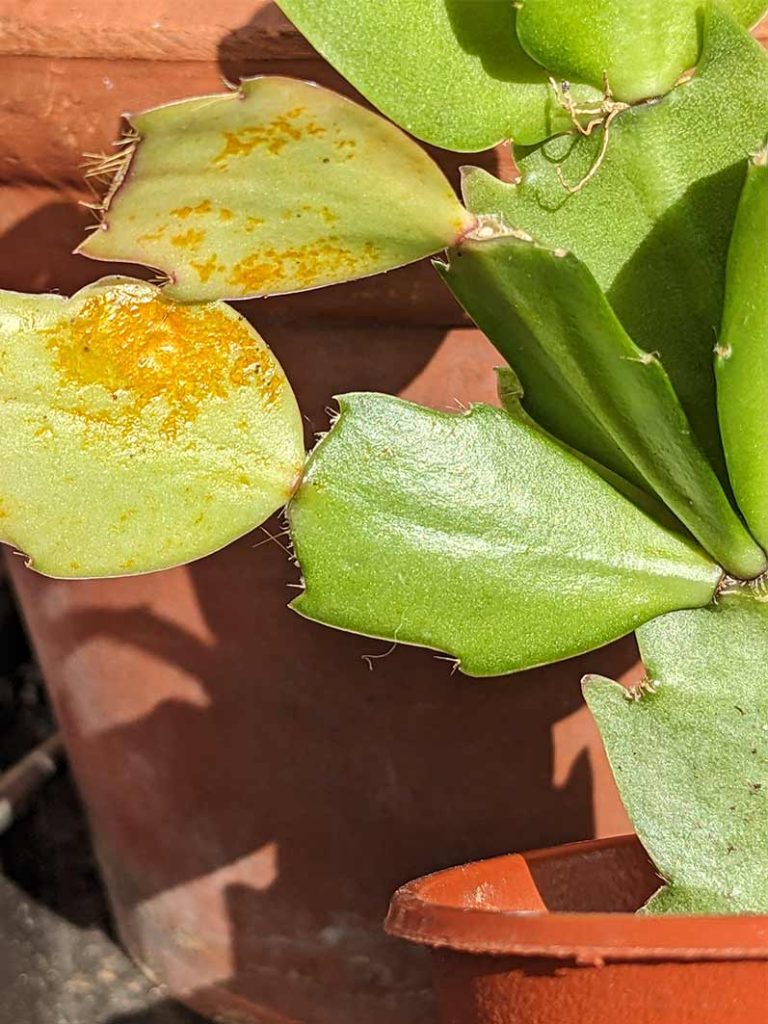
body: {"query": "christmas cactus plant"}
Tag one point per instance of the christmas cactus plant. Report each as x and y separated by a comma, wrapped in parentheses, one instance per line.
(621, 484)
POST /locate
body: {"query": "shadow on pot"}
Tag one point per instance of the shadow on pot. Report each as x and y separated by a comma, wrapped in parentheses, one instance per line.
(253, 824)
(167, 1012)
(36, 248)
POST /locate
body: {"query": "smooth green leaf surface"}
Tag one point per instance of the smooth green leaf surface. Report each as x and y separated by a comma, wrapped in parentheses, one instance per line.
(653, 223)
(451, 72)
(587, 383)
(742, 353)
(479, 277)
(477, 535)
(137, 434)
(277, 187)
(691, 758)
(510, 394)
(643, 47)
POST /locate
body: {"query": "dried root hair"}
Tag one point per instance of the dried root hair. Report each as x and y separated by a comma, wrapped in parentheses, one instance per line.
(600, 115)
(105, 172)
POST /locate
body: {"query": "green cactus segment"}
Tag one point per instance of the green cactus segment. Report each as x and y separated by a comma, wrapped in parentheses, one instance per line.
(510, 394)
(691, 757)
(477, 535)
(138, 434)
(278, 187)
(485, 278)
(450, 72)
(653, 223)
(643, 48)
(749, 12)
(742, 353)
(585, 381)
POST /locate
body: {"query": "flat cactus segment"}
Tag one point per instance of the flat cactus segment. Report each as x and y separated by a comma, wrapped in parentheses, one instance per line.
(478, 535)
(479, 273)
(450, 72)
(690, 754)
(138, 434)
(510, 394)
(643, 48)
(586, 382)
(653, 223)
(277, 187)
(741, 360)
(748, 12)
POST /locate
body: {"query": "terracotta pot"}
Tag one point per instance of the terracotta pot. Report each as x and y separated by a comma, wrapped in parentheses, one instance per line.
(551, 937)
(257, 788)
(256, 785)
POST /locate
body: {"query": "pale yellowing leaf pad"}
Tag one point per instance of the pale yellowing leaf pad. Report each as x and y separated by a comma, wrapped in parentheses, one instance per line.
(137, 433)
(277, 187)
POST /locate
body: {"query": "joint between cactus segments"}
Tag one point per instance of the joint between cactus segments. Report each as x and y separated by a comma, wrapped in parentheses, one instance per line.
(489, 226)
(644, 688)
(645, 358)
(757, 588)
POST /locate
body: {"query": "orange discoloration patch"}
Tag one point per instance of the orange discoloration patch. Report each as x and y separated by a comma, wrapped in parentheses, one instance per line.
(152, 236)
(325, 212)
(206, 268)
(225, 214)
(273, 136)
(206, 206)
(302, 266)
(346, 147)
(190, 239)
(251, 223)
(156, 358)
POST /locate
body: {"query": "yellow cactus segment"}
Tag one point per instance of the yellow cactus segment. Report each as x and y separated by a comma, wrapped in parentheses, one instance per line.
(278, 187)
(139, 433)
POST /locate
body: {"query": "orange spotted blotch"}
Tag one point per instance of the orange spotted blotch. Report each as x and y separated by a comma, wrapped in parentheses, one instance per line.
(139, 433)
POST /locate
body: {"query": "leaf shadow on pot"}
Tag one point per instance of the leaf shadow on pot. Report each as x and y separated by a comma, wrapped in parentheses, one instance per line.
(252, 825)
(36, 247)
(166, 1012)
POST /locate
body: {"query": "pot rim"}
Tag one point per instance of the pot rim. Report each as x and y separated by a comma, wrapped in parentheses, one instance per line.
(587, 938)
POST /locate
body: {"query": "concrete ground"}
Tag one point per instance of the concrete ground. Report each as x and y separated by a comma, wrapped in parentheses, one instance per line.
(59, 962)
